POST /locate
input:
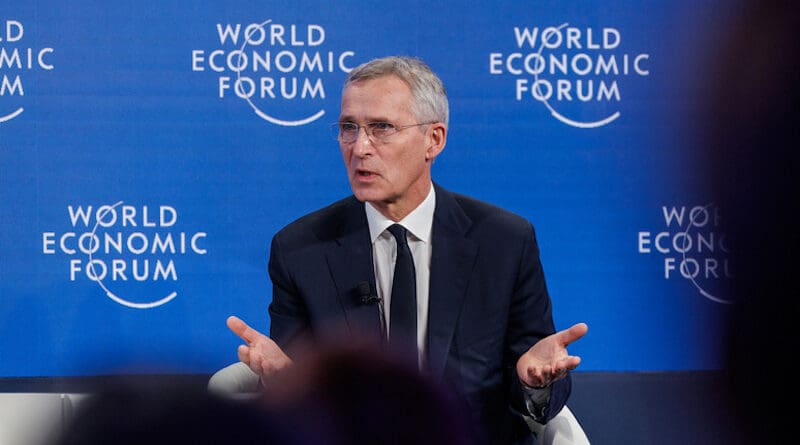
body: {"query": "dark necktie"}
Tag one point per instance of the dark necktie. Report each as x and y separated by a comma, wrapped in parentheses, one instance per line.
(403, 310)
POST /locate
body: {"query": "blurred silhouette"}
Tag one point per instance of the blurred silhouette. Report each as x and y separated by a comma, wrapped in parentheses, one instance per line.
(158, 414)
(365, 396)
(753, 164)
(336, 395)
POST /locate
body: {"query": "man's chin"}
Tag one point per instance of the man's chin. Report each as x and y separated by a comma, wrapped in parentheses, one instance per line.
(365, 193)
(365, 197)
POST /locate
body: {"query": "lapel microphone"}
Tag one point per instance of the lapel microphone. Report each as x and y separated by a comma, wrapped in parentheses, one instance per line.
(364, 292)
(366, 296)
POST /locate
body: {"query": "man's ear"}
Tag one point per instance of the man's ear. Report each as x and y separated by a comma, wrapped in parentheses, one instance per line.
(437, 138)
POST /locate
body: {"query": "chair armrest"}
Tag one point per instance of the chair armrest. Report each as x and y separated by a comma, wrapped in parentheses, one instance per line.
(234, 379)
(563, 429)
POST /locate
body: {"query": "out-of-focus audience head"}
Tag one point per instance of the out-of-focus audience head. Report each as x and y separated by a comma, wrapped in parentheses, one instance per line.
(339, 395)
(753, 165)
(365, 396)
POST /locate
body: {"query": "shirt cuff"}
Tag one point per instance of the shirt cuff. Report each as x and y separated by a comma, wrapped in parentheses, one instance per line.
(536, 401)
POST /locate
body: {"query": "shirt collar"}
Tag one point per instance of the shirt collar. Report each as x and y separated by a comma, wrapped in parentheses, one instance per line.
(418, 222)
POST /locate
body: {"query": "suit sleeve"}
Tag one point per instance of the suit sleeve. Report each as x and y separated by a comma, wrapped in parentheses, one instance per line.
(289, 319)
(530, 320)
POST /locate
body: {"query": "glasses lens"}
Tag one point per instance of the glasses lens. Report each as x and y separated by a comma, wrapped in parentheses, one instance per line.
(344, 131)
(381, 130)
(348, 131)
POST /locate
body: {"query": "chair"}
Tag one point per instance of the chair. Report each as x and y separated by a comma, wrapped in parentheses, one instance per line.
(237, 380)
(31, 418)
(563, 429)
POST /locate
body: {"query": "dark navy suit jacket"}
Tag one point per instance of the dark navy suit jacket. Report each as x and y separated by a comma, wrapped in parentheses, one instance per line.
(488, 298)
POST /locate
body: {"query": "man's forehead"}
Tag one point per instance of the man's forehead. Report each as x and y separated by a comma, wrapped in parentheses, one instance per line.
(386, 97)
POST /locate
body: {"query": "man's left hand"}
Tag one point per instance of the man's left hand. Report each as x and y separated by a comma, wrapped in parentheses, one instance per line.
(548, 359)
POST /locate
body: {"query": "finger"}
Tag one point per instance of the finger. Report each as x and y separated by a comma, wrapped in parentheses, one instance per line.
(244, 354)
(249, 357)
(574, 361)
(255, 365)
(572, 333)
(547, 373)
(241, 329)
(535, 377)
(236, 325)
(542, 375)
(567, 364)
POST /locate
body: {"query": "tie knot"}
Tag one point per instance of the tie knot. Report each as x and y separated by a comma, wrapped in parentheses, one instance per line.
(399, 233)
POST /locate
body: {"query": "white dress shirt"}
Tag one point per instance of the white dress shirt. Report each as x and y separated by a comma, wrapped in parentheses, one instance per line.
(418, 223)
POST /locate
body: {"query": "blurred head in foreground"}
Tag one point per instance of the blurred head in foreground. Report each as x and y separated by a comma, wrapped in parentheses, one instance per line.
(364, 396)
(753, 164)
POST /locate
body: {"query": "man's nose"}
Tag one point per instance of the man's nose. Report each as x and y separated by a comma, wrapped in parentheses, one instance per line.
(363, 144)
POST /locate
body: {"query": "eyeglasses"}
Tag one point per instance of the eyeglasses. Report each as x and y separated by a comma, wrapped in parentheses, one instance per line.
(347, 132)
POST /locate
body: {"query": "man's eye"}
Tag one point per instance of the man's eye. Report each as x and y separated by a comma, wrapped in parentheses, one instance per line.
(381, 126)
(347, 127)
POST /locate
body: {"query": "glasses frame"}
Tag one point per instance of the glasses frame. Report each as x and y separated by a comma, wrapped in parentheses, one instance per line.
(336, 130)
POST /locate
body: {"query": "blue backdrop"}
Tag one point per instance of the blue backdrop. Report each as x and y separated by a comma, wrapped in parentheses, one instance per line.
(149, 150)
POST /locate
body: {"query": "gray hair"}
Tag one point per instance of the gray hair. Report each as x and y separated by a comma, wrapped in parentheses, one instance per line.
(430, 98)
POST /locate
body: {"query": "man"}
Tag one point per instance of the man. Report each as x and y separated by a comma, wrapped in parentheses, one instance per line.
(483, 322)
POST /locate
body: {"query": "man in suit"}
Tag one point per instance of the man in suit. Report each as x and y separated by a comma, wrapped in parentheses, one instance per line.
(480, 318)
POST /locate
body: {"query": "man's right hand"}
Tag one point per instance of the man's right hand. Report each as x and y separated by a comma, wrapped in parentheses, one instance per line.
(260, 353)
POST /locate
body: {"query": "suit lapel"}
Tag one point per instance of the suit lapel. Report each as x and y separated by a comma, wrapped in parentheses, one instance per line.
(349, 258)
(452, 260)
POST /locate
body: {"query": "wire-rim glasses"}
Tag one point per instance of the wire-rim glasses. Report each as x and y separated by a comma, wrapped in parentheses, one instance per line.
(347, 132)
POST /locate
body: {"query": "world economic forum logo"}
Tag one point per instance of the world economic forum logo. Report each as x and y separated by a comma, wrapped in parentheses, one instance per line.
(692, 248)
(577, 74)
(16, 60)
(278, 70)
(130, 252)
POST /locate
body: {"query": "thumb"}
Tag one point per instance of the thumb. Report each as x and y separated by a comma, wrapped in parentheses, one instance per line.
(573, 333)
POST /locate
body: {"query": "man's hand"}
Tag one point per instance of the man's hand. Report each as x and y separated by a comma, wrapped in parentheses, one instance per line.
(548, 360)
(260, 353)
